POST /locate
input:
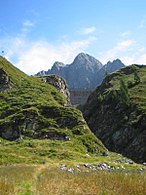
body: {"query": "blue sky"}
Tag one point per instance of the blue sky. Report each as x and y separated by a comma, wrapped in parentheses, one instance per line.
(36, 33)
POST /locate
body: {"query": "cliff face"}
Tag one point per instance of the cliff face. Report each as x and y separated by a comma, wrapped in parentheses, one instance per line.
(5, 82)
(116, 112)
(59, 83)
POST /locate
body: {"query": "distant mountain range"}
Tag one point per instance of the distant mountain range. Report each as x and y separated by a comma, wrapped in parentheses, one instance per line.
(85, 72)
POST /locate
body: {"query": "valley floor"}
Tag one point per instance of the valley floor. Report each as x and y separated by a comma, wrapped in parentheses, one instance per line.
(68, 179)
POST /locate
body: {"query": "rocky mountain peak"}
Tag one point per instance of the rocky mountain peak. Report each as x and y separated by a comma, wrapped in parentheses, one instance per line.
(85, 72)
(116, 62)
(113, 66)
(83, 59)
(56, 64)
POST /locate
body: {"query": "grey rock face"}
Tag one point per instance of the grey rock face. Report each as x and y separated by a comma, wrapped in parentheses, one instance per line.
(83, 71)
(5, 82)
(59, 83)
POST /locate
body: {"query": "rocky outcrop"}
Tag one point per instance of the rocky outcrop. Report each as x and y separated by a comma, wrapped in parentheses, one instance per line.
(5, 82)
(51, 122)
(59, 83)
(120, 124)
(29, 123)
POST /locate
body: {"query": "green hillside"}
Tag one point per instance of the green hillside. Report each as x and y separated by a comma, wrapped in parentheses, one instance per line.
(35, 124)
(116, 112)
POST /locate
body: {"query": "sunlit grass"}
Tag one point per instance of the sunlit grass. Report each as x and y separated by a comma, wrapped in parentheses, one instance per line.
(57, 182)
(49, 180)
(16, 179)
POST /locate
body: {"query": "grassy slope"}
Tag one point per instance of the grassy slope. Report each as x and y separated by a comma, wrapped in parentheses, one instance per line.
(137, 92)
(31, 99)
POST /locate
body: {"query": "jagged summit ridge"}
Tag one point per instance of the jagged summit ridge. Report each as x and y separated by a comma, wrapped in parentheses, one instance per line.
(109, 68)
(116, 64)
(85, 72)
